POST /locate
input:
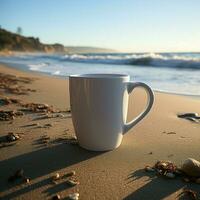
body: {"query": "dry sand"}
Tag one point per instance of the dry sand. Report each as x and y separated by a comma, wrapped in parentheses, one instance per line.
(117, 174)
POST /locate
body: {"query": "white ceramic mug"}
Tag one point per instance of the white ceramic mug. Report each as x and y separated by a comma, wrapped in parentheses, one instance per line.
(99, 105)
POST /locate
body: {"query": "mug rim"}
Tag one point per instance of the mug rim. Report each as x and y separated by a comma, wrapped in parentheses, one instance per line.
(99, 75)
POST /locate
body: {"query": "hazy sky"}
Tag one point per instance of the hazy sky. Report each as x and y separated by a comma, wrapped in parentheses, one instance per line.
(126, 25)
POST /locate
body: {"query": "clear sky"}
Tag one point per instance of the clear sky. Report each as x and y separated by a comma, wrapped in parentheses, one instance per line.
(125, 25)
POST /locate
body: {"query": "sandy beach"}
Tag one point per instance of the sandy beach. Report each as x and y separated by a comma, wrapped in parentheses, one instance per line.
(117, 174)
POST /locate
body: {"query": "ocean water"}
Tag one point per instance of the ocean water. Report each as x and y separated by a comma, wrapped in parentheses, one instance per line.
(169, 72)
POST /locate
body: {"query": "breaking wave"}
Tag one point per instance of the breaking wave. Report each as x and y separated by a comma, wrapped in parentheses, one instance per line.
(147, 59)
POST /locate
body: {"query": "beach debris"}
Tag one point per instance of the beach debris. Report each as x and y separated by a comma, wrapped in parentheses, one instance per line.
(72, 173)
(9, 114)
(56, 197)
(72, 182)
(191, 167)
(194, 117)
(189, 170)
(190, 193)
(12, 137)
(9, 83)
(17, 175)
(163, 168)
(56, 177)
(171, 133)
(38, 107)
(74, 196)
(8, 100)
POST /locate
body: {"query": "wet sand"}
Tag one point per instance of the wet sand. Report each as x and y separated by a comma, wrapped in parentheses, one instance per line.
(117, 174)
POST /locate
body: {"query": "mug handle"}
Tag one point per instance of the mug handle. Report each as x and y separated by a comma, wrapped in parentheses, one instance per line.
(130, 87)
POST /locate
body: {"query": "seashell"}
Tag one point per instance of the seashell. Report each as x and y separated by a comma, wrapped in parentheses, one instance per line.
(56, 176)
(191, 167)
(72, 183)
(56, 197)
(74, 196)
(149, 169)
(170, 175)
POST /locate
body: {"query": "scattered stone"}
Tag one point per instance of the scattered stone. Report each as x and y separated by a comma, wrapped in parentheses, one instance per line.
(191, 167)
(8, 100)
(74, 196)
(170, 175)
(39, 107)
(9, 83)
(194, 117)
(56, 177)
(72, 182)
(72, 173)
(184, 115)
(9, 115)
(12, 137)
(56, 197)
(189, 171)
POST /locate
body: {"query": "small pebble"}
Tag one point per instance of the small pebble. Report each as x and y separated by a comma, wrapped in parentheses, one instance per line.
(56, 176)
(170, 175)
(72, 183)
(191, 167)
(56, 197)
(72, 173)
(74, 196)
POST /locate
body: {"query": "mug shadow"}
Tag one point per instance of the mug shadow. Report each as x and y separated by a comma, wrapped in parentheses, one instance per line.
(156, 187)
(40, 163)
